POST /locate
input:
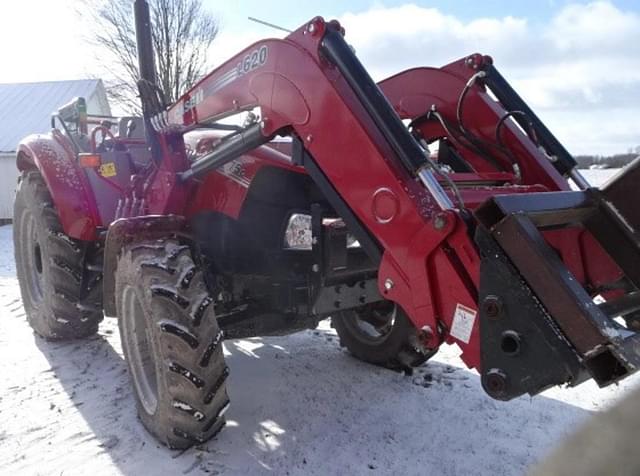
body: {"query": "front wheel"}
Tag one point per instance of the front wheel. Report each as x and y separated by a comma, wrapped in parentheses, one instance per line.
(171, 342)
(381, 334)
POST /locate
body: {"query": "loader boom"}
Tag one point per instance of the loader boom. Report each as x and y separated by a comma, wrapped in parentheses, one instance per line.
(299, 92)
(417, 226)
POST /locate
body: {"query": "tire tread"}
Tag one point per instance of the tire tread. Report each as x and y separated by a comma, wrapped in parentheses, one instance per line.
(182, 327)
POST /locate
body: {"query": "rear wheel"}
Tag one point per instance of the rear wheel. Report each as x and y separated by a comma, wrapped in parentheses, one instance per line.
(172, 343)
(61, 297)
(381, 334)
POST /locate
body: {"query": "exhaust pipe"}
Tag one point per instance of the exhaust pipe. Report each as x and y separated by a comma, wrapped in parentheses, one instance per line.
(143, 41)
(147, 69)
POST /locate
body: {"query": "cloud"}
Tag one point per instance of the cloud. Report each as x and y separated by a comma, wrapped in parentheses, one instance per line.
(580, 71)
(389, 39)
(43, 41)
(595, 28)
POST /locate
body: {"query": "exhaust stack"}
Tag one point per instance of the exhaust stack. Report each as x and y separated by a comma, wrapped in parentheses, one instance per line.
(143, 41)
(147, 67)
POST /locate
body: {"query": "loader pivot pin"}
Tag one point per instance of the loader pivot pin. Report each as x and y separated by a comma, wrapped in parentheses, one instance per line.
(495, 383)
(440, 221)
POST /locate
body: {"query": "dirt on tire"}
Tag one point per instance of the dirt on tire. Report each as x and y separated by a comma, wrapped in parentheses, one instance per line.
(172, 343)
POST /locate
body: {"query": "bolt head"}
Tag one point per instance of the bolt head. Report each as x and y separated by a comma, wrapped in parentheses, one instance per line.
(315, 268)
(495, 383)
(388, 284)
(492, 306)
(440, 221)
(474, 61)
(426, 338)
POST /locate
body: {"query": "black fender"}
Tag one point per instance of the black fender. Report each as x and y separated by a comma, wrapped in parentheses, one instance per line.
(129, 230)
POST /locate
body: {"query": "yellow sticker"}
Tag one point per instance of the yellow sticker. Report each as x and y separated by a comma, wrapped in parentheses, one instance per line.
(108, 169)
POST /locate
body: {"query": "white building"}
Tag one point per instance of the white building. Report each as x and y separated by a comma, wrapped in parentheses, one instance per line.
(26, 108)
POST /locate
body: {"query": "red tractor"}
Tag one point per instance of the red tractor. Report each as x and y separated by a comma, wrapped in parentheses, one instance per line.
(433, 207)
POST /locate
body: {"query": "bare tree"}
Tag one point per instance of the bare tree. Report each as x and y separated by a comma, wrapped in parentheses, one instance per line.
(182, 31)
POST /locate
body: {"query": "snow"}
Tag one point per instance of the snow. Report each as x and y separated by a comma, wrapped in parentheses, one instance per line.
(299, 405)
(598, 177)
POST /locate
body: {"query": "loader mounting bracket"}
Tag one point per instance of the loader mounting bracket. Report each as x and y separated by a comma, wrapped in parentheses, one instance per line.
(523, 351)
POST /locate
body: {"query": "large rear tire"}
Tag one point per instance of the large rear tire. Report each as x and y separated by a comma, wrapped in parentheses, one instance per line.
(61, 297)
(381, 334)
(172, 343)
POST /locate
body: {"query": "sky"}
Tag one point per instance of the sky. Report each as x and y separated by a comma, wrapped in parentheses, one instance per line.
(576, 63)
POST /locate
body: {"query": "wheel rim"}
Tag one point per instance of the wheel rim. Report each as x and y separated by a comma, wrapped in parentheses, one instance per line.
(139, 351)
(32, 257)
(372, 324)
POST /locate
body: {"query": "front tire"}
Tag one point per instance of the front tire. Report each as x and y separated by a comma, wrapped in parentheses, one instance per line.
(381, 334)
(61, 297)
(172, 343)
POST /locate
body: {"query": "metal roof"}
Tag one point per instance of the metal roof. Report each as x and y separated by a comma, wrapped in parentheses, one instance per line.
(25, 108)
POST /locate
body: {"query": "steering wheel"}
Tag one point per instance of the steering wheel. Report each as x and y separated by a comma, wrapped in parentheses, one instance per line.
(106, 133)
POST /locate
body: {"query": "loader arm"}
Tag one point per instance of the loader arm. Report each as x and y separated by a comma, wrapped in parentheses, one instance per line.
(400, 223)
(420, 90)
(462, 276)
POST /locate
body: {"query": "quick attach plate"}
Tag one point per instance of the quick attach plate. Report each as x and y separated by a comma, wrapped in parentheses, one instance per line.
(522, 349)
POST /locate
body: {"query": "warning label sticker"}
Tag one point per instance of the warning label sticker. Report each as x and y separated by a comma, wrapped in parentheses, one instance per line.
(463, 319)
(108, 169)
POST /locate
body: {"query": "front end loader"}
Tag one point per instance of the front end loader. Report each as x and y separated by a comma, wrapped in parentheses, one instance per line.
(433, 207)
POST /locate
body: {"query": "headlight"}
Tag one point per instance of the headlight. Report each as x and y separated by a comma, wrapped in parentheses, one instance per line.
(298, 234)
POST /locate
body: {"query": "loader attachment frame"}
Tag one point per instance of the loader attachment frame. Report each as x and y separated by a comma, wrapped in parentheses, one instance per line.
(511, 238)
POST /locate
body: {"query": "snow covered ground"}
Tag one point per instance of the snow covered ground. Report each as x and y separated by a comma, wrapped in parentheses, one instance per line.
(300, 405)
